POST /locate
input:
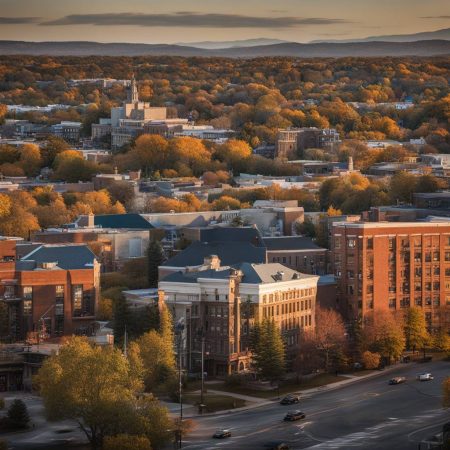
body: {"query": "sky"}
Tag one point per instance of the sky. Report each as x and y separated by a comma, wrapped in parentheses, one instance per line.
(172, 21)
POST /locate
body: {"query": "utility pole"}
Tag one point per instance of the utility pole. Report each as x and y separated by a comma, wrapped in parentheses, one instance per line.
(203, 373)
(179, 327)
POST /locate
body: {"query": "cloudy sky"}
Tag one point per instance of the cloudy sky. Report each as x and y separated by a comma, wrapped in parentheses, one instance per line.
(169, 21)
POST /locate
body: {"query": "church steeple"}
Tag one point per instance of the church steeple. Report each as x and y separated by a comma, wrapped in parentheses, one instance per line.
(133, 95)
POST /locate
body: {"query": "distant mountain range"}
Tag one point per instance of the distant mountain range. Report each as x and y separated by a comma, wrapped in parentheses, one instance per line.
(232, 44)
(443, 34)
(311, 50)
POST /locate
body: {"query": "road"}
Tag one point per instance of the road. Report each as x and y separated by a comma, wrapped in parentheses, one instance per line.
(368, 414)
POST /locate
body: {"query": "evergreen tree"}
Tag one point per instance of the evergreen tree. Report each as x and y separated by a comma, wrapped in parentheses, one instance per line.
(416, 333)
(155, 258)
(121, 319)
(17, 415)
(269, 354)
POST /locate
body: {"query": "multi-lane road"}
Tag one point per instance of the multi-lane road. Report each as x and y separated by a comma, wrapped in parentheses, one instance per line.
(367, 414)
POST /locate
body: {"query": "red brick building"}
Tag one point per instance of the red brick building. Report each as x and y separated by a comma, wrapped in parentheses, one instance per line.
(393, 266)
(51, 291)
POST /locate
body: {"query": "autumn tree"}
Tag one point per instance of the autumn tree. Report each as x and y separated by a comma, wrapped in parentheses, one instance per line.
(126, 442)
(5, 205)
(225, 203)
(371, 360)
(328, 336)
(150, 153)
(30, 159)
(96, 387)
(384, 334)
(416, 333)
(234, 153)
(156, 348)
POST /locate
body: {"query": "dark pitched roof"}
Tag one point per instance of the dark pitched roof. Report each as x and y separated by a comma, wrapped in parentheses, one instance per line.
(290, 243)
(232, 234)
(67, 257)
(134, 221)
(229, 253)
(252, 274)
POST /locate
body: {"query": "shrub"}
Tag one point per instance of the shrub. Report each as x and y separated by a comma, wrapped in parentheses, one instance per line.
(371, 360)
(126, 442)
(17, 416)
(233, 380)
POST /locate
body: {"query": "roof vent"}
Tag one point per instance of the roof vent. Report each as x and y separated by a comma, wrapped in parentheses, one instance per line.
(49, 265)
(279, 276)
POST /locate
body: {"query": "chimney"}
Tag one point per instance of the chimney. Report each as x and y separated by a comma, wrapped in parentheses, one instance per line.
(350, 164)
(90, 221)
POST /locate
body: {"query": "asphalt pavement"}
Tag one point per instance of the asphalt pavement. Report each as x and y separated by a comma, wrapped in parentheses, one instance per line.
(366, 414)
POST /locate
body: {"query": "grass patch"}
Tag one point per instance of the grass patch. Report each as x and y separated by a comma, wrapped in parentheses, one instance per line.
(215, 402)
(319, 380)
(361, 373)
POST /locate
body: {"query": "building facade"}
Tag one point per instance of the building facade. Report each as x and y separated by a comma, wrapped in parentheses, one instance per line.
(293, 141)
(393, 266)
(222, 304)
(49, 292)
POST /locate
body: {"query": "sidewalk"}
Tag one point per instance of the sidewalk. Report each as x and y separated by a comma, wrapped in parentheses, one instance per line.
(259, 402)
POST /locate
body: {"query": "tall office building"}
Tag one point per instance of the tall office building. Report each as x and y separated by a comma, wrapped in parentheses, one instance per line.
(392, 266)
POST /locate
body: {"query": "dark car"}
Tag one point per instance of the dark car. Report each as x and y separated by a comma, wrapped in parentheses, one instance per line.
(294, 415)
(290, 400)
(397, 380)
(220, 434)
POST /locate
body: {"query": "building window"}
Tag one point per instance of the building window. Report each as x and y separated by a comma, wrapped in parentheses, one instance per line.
(418, 301)
(28, 292)
(351, 243)
(27, 307)
(370, 243)
(392, 303)
(77, 300)
(391, 243)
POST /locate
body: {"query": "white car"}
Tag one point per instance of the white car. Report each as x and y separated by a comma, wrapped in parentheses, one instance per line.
(425, 377)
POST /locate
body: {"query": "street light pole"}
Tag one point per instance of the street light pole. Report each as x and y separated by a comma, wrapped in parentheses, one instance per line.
(179, 327)
(203, 374)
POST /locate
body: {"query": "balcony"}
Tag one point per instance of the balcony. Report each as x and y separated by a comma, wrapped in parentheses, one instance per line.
(10, 298)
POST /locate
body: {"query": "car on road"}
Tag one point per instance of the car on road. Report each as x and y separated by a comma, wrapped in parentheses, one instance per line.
(294, 415)
(397, 380)
(290, 399)
(221, 434)
(425, 377)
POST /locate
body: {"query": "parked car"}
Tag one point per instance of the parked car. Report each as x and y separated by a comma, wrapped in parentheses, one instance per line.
(397, 380)
(220, 434)
(294, 415)
(425, 377)
(290, 399)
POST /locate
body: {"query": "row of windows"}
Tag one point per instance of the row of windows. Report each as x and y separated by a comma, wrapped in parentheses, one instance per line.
(296, 322)
(287, 308)
(288, 295)
(428, 241)
(82, 301)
